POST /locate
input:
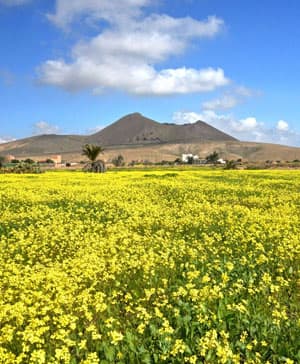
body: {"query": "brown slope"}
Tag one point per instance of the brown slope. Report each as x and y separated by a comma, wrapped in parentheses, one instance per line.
(248, 151)
(136, 129)
(44, 145)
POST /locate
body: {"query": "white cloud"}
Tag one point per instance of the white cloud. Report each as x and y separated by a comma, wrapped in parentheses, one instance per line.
(247, 124)
(244, 129)
(42, 127)
(230, 99)
(222, 103)
(282, 125)
(208, 116)
(247, 129)
(13, 2)
(110, 10)
(139, 78)
(6, 139)
(181, 117)
(125, 55)
(246, 92)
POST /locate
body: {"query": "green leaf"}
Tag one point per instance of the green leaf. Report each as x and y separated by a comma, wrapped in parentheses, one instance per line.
(109, 352)
(130, 339)
(146, 358)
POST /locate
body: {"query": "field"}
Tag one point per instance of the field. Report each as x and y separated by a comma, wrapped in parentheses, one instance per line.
(150, 267)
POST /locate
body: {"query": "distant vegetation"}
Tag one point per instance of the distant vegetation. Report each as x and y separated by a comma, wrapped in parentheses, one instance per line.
(118, 161)
(231, 164)
(213, 157)
(15, 161)
(49, 161)
(92, 152)
(21, 168)
(29, 161)
(2, 161)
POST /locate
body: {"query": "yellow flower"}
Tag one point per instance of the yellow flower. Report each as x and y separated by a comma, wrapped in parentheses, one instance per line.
(178, 348)
(86, 258)
(116, 337)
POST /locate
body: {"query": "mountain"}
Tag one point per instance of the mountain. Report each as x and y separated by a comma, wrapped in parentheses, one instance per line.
(139, 138)
(135, 129)
(44, 145)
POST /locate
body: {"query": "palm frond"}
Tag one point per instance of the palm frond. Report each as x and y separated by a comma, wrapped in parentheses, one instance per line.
(91, 151)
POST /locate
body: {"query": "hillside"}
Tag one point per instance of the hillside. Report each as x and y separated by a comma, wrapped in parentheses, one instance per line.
(133, 129)
(136, 129)
(44, 145)
(139, 138)
(228, 150)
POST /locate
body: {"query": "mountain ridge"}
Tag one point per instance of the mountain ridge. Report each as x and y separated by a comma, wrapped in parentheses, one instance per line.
(137, 129)
(141, 138)
(132, 129)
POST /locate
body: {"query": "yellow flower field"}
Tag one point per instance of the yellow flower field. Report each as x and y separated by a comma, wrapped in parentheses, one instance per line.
(150, 267)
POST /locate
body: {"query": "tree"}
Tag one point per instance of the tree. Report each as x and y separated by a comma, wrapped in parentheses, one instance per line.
(49, 161)
(2, 161)
(190, 159)
(92, 151)
(118, 161)
(29, 161)
(213, 157)
(230, 164)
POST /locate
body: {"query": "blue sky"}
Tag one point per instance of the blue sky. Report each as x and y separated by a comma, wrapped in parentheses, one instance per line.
(77, 66)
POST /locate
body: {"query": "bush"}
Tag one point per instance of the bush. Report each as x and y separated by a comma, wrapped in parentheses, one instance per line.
(2, 160)
(230, 165)
(190, 160)
(29, 161)
(178, 161)
(118, 161)
(22, 168)
(49, 161)
(213, 157)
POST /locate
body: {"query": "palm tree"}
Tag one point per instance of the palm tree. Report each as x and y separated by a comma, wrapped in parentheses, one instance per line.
(92, 151)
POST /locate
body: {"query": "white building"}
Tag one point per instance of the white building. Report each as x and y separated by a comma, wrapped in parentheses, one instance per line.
(185, 157)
